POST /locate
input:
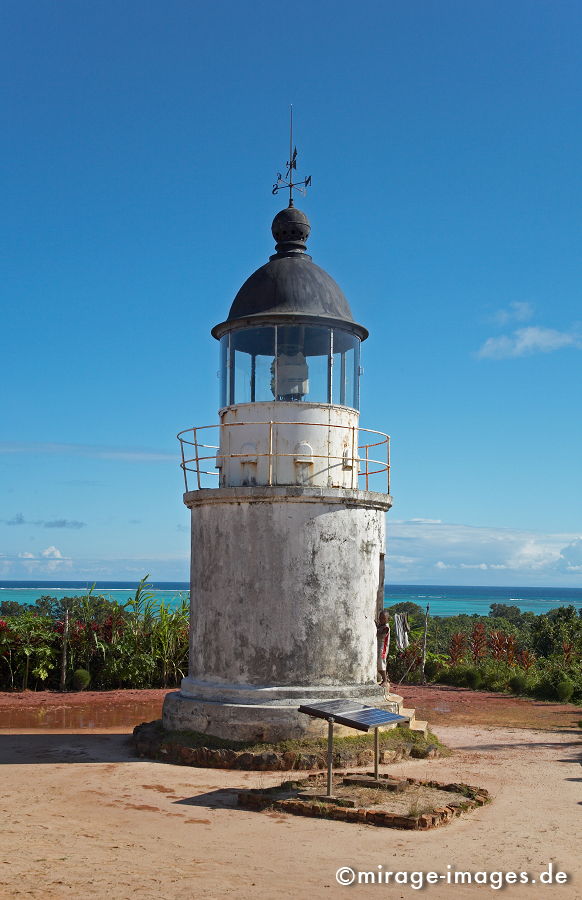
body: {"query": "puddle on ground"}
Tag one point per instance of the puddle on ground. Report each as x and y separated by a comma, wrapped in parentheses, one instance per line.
(83, 715)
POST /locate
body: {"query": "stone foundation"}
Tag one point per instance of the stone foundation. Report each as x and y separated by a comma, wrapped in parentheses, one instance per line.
(270, 714)
(152, 741)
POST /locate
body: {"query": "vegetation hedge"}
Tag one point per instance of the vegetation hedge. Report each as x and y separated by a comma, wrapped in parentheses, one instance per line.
(137, 644)
(508, 650)
(91, 640)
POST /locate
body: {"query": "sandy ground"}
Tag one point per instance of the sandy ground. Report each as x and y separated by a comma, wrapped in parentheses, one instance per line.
(82, 817)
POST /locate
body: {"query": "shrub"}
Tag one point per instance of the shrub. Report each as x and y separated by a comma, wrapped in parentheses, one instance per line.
(564, 690)
(81, 679)
(518, 683)
(473, 679)
(544, 689)
(461, 676)
(496, 674)
(455, 675)
(432, 669)
(140, 643)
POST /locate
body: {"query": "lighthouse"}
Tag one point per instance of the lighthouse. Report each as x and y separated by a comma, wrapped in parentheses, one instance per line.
(288, 541)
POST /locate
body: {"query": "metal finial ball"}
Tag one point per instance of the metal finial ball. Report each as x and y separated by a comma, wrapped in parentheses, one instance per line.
(290, 226)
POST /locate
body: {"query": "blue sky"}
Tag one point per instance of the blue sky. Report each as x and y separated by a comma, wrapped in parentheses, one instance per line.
(140, 144)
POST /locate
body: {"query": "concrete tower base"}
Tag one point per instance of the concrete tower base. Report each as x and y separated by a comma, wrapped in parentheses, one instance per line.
(284, 585)
(261, 714)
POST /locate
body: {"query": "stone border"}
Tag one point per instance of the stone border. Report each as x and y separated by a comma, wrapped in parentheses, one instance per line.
(149, 740)
(258, 799)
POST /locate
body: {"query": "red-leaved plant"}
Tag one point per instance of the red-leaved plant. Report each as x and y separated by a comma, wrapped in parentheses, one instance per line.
(478, 642)
(526, 659)
(457, 647)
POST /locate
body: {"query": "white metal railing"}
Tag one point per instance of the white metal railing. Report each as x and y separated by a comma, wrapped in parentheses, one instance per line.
(361, 462)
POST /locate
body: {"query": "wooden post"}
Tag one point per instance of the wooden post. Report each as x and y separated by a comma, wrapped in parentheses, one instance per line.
(376, 751)
(423, 677)
(63, 684)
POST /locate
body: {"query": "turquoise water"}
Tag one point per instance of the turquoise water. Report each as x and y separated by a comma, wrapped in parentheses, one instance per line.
(171, 592)
(447, 600)
(451, 600)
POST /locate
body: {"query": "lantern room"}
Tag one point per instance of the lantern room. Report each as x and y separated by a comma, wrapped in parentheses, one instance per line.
(290, 336)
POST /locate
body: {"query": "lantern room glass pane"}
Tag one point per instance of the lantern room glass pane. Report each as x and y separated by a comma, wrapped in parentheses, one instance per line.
(252, 352)
(302, 367)
(223, 371)
(346, 369)
(289, 363)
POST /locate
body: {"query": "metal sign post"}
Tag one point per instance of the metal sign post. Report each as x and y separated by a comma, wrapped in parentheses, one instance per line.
(354, 715)
(330, 756)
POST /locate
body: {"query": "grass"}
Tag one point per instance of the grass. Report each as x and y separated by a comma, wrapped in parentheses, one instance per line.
(416, 809)
(395, 739)
(415, 800)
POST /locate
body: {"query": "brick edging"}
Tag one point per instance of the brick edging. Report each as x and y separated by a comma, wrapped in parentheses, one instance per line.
(149, 740)
(472, 797)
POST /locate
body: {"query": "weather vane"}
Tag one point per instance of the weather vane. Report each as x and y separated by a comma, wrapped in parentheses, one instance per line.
(288, 182)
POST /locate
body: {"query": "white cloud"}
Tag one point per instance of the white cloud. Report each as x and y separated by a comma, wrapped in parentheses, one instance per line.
(52, 560)
(518, 311)
(526, 341)
(483, 566)
(570, 559)
(49, 560)
(533, 554)
(96, 451)
(51, 553)
(424, 551)
(427, 521)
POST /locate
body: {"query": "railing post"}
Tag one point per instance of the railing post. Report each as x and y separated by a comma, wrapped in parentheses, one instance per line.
(270, 453)
(184, 465)
(197, 461)
(354, 458)
(367, 467)
(388, 462)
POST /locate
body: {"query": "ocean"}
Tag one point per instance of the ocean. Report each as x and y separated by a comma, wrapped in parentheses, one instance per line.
(444, 600)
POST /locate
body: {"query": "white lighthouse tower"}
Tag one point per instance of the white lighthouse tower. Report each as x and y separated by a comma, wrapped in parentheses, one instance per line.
(287, 555)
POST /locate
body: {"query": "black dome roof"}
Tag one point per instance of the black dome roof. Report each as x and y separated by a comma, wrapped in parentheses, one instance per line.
(290, 284)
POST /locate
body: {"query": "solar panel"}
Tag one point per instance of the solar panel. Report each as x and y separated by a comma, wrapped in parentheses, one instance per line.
(353, 714)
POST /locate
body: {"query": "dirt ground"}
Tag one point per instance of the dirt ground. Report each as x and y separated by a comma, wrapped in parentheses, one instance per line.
(80, 816)
(437, 704)
(443, 705)
(112, 710)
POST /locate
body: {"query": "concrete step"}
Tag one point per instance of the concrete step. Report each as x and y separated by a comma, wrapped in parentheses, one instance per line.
(419, 725)
(397, 704)
(396, 698)
(414, 724)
